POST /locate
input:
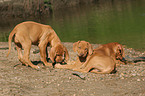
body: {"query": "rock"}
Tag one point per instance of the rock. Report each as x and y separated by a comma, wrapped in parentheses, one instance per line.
(138, 80)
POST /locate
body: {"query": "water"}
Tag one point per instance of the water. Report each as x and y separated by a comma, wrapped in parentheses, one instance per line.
(119, 21)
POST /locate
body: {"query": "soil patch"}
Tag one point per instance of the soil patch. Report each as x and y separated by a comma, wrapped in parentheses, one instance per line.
(19, 80)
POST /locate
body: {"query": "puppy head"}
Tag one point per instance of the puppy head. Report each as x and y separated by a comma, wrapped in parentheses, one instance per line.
(59, 54)
(119, 53)
(83, 48)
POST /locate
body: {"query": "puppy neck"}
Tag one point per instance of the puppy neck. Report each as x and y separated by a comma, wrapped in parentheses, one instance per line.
(56, 44)
(55, 41)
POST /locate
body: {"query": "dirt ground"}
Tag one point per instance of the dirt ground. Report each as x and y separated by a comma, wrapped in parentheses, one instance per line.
(19, 80)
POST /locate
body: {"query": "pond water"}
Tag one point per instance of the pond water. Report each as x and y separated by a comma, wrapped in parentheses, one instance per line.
(120, 21)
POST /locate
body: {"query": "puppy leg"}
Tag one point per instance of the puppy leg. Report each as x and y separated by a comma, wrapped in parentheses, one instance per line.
(20, 56)
(27, 46)
(102, 72)
(84, 70)
(42, 48)
(59, 66)
(67, 66)
(83, 65)
(94, 70)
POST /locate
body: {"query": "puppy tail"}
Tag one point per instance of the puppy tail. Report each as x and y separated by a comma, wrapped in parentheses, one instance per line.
(10, 40)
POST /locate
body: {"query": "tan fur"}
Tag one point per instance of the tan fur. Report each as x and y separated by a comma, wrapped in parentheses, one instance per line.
(114, 50)
(104, 59)
(27, 33)
(98, 63)
(59, 54)
(84, 50)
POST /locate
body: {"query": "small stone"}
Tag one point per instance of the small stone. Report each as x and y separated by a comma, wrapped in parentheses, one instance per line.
(74, 95)
(122, 77)
(101, 78)
(133, 74)
(138, 80)
(69, 78)
(122, 74)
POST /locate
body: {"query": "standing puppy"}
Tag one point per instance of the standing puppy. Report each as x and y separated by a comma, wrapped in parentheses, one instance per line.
(27, 33)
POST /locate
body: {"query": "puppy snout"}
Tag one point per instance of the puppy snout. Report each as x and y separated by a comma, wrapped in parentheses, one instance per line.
(59, 60)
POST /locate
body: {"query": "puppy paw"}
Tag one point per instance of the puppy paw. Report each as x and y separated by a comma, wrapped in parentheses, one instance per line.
(48, 64)
(58, 66)
(36, 67)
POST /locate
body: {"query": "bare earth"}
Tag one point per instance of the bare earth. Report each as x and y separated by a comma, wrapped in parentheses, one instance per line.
(19, 80)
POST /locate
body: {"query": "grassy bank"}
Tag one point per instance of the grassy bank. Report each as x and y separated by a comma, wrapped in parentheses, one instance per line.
(24, 8)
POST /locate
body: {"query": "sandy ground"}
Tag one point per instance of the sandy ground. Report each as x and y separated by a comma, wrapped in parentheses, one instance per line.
(19, 80)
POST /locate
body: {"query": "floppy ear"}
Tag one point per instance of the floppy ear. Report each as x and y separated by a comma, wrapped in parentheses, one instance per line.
(66, 54)
(123, 53)
(90, 48)
(52, 54)
(75, 46)
(119, 47)
(122, 50)
(116, 48)
(123, 47)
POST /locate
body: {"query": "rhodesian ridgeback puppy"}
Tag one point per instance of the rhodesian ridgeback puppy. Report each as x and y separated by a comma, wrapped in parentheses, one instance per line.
(27, 33)
(114, 50)
(84, 50)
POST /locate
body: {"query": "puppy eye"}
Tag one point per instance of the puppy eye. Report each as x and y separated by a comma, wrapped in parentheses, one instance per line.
(86, 48)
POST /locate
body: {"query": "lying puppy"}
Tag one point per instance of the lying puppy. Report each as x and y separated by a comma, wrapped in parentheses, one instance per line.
(114, 50)
(84, 50)
(27, 33)
(104, 59)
